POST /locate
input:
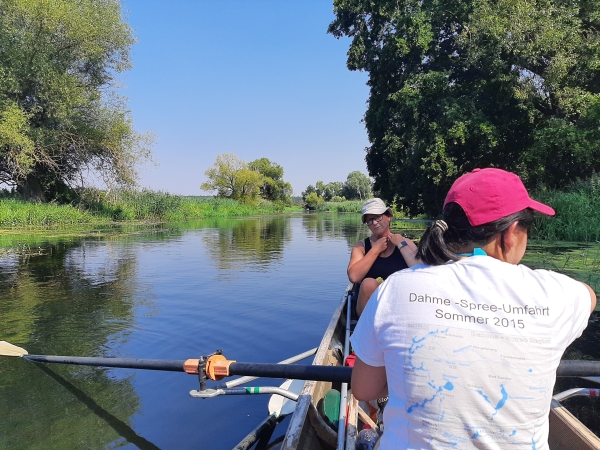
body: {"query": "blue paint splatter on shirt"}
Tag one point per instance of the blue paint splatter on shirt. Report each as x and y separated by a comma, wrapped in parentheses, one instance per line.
(448, 387)
(500, 403)
(468, 347)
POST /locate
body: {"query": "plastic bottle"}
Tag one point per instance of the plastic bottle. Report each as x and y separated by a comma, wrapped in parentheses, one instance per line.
(367, 438)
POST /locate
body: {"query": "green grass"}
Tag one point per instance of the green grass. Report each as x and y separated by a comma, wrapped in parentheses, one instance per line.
(98, 207)
(19, 213)
(200, 207)
(577, 213)
(345, 207)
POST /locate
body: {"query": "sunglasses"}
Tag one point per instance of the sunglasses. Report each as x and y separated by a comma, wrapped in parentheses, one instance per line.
(374, 219)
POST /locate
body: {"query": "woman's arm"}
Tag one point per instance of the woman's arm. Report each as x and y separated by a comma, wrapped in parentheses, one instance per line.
(368, 382)
(592, 296)
(361, 262)
(408, 251)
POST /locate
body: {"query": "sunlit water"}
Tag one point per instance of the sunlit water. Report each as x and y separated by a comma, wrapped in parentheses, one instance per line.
(260, 289)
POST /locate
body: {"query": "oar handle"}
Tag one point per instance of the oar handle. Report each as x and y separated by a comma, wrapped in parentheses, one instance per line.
(578, 368)
(292, 371)
(125, 363)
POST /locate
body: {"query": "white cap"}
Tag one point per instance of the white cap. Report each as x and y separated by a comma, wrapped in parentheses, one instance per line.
(374, 206)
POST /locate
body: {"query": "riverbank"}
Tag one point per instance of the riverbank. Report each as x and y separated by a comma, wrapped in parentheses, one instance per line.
(129, 206)
(577, 211)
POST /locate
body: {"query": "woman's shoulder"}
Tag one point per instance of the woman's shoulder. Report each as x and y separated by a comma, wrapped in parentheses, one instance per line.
(361, 243)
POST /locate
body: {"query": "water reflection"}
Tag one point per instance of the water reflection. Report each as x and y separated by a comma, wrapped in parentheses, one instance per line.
(344, 226)
(159, 293)
(257, 243)
(578, 260)
(73, 299)
(145, 293)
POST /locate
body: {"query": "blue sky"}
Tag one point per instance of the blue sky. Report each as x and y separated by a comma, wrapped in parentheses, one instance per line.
(258, 78)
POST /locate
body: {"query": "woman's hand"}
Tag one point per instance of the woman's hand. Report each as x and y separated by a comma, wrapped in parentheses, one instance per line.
(396, 239)
(380, 245)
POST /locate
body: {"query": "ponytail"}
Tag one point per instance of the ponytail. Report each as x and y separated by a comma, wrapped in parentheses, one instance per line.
(444, 238)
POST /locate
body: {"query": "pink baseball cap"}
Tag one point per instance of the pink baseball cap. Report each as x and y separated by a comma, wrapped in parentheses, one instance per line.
(487, 195)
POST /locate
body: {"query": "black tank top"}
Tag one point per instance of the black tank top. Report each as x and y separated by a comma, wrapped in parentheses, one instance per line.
(384, 267)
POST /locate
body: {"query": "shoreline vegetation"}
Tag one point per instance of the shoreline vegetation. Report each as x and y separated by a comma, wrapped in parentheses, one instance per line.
(577, 211)
(122, 206)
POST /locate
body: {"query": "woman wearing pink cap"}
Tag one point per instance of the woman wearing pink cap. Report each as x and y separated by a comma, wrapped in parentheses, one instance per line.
(467, 344)
(380, 255)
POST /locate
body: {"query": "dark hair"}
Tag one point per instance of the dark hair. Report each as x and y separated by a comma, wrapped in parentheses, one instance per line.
(439, 245)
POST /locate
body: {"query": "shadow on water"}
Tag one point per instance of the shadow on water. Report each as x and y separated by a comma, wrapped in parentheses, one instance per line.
(122, 428)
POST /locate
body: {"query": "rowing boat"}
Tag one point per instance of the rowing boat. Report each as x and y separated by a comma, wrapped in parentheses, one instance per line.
(308, 430)
(566, 431)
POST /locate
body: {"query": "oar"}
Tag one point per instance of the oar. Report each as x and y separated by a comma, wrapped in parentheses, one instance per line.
(223, 367)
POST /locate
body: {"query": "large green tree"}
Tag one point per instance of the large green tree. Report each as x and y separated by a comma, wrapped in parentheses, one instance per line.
(460, 84)
(357, 186)
(274, 188)
(230, 177)
(59, 113)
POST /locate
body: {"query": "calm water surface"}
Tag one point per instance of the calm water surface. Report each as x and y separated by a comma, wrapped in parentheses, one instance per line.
(260, 289)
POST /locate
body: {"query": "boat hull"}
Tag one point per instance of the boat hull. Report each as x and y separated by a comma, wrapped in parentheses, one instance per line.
(307, 429)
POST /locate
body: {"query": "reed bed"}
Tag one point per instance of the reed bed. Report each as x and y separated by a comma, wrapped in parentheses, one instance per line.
(129, 204)
(577, 213)
(18, 213)
(343, 207)
(200, 207)
(98, 207)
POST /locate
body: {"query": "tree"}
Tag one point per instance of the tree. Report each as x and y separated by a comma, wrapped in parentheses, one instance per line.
(231, 178)
(333, 189)
(59, 114)
(326, 191)
(273, 188)
(310, 189)
(313, 200)
(461, 84)
(357, 186)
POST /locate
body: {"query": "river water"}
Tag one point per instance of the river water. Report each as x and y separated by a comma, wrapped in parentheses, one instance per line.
(261, 289)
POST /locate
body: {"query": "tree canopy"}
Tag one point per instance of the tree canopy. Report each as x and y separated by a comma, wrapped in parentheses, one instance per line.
(59, 113)
(233, 178)
(356, 187)
(460, 84)
(274, 188)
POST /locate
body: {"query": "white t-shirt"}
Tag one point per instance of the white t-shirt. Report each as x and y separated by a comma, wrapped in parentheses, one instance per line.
(470, 350)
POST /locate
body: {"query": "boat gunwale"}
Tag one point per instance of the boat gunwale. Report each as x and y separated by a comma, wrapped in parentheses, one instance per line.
(305, 400)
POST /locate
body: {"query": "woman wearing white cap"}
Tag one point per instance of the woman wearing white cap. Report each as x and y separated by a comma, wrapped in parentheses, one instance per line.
(468, 344)
(380, 255)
